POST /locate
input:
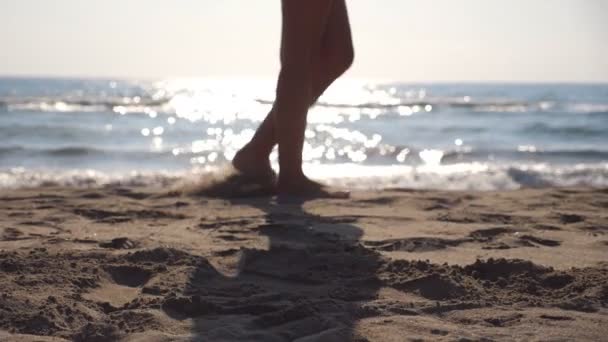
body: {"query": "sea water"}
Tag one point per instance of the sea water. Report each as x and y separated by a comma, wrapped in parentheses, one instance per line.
(361, 134)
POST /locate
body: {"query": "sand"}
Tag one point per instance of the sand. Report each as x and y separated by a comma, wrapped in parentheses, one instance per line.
(144, 264)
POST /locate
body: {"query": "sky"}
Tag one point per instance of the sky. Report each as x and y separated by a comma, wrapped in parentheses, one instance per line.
(399, 40)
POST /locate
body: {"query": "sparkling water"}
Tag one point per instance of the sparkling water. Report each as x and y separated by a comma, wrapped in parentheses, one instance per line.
(360, 134)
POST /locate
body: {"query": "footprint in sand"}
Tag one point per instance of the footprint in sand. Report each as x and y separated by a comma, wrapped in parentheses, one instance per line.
(505, 238)
(122, 285)
(131, 276)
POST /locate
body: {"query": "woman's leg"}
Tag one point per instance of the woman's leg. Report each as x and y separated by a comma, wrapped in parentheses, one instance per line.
(337, 53)
(304, 24)
(334, 58)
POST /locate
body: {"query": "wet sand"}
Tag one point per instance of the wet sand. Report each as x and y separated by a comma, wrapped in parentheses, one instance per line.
(141, 264)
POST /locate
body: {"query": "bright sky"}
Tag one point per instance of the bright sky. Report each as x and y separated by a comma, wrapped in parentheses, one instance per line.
(406, 40)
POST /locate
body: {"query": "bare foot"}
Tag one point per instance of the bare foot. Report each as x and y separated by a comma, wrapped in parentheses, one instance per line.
(303, 187)
(253, 166)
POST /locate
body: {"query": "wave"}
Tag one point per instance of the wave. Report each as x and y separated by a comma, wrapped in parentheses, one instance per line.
(55, 152)
(569, 130)
(476, 106)
(10, 150)
(466, 176)
(524, 153)
(383, 155)
(103, 104)
(20, 178)
(74, 151)
(140, 104)
(413, 156)
(589, 108)
(436, 103)
(484, 177)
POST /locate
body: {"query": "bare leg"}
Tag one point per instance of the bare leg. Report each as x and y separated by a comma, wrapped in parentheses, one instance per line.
(302, 35)
(334, 58)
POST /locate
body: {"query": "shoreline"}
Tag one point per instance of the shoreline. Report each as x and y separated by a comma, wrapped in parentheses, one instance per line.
(462, 176)
(141, 264)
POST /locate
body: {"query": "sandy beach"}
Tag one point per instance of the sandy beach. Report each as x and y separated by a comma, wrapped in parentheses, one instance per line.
(141, 264)
(152, 154)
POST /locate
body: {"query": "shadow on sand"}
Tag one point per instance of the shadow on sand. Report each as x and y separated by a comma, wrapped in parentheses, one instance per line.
(310, 284)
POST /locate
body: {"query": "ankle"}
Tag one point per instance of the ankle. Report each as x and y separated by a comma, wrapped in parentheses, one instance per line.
(291, 177)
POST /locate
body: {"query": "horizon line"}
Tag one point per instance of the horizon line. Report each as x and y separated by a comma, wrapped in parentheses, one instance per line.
(272, 78)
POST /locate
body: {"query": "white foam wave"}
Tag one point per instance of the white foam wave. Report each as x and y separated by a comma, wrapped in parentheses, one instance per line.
(472, 176)
(465, 176)
(586, 108)
(19, 178)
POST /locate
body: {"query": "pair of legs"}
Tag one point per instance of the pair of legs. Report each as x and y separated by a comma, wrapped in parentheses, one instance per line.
(316, 49)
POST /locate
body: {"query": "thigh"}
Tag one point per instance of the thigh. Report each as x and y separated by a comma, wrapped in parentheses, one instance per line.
(337, 39)
(304, 26)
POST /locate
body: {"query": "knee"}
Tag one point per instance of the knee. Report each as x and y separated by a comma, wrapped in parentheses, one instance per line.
(348, 58)
(342, 60)
(295, 73)
(294, 84)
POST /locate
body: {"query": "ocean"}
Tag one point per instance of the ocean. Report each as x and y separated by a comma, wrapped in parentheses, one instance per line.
(89, 132)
